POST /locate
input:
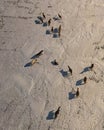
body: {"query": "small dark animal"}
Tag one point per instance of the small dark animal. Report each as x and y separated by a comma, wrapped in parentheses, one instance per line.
(52, 29)
(91, 67)
(59, 34)
(57, 112)
(85, 80)
(77, 92)
(59, 30)
(49, 22)
(41, 19)
(39, 53)
(55, 62)
(60, 16)
(70, 70)
(44, 16)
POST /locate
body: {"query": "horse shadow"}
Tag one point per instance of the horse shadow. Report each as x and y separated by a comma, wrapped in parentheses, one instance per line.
(79, 82)
(35, 56)
(28, 64)
(48, 32)
(55, 30)
(86, 69)
(45, 24)
(37, 22)
(64, 73)
(39, 17)
(55, 18)
(50, 115)
(71, 95)
(55, 35)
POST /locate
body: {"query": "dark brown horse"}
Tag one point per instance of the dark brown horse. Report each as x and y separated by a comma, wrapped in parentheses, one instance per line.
(77, 92)
(52, 29)
(44, 16)
(39, 53)
(91, 67)
(59, 30)
(57, 112)
(85, 80)
(70, 70)
(60, 16)
(49, 22)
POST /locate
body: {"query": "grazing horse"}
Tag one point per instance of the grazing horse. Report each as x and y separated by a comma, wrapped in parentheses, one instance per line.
(91, 67)
(70, 70)
(39, 53)
(59, 34)
(49, 22)
(59, 30)
(77, 92)
(44, 16)
(57, 112)
(55, 62)
(41, 19)
(85, 80)
(60, 16)
(52, 29)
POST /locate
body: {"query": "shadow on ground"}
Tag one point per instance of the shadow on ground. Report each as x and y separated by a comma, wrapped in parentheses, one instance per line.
(86, 69)
(54, 62)
(50, 115)
(55, 35)
(28, 64)
(48, 32)
(38, 22)
(44, 24)
(55, 30)
(64, 73)
(79, 82)
(55, 18)
(71, 95)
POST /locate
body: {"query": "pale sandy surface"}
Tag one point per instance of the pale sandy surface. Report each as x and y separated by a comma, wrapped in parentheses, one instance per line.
(28, 94)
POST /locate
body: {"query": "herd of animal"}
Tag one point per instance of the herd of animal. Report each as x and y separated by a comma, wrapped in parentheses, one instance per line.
(42, 20)
(77, 93)
(69, 70)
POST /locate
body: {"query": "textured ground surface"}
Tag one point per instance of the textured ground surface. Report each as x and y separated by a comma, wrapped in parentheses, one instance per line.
(29, 94)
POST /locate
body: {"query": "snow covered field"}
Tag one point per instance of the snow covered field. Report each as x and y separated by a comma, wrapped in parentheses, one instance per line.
(29, 95)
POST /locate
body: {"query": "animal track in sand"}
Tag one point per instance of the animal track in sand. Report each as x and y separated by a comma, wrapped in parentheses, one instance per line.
(32, 85)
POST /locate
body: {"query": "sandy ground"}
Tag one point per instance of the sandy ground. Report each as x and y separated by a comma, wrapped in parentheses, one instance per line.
(29, 95)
